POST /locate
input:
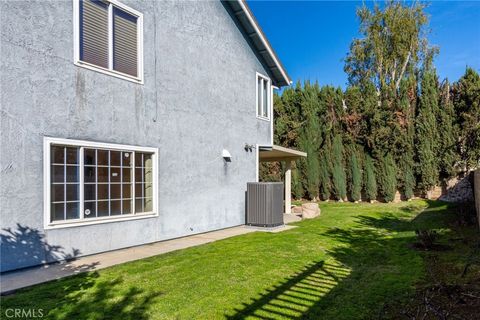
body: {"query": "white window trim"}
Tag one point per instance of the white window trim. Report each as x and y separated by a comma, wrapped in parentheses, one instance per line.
(110, 71)
(49, 141)
(269, 98)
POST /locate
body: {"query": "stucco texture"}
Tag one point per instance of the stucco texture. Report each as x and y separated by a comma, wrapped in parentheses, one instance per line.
(198, 98)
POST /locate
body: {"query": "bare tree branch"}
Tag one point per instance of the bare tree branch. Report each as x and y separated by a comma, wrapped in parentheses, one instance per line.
(404, 67)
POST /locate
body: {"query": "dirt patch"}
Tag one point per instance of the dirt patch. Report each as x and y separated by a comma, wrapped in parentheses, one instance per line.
(443, 301)
(427, 241)
(433, 247)
(451, 287)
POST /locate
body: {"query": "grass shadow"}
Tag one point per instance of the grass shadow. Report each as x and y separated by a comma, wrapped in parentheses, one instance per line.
(292, 297)
(107, 299)
(373, 264)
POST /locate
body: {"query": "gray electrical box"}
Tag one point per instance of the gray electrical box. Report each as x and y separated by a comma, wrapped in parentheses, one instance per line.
(264, 204)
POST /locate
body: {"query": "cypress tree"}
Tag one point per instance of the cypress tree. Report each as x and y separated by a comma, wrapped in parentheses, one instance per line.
(325, 163)
(447, 153)
(406, 131)
(297, 188)
(356, 176)
(466, 95)
(426, 133)
(311, 168)
(310, 140)
(406, 171)
(370, 178)
(338, 174)
(387, 177)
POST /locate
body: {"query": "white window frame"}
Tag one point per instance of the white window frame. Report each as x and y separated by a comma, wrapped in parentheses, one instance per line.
(47, 144)
(109, 71)
(269, 98)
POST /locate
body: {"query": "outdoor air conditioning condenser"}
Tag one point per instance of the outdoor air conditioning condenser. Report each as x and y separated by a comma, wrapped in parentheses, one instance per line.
(264, 204)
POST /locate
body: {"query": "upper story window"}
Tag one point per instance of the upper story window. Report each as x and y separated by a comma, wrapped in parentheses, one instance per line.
(91, 182)
(109, 38)
(263, 97)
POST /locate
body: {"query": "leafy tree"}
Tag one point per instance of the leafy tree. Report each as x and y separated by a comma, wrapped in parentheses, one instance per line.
(391, 46)
(338, 174)
(390, 52)
(466, 99)
(370, 178)
(427, 133)
(393, 120)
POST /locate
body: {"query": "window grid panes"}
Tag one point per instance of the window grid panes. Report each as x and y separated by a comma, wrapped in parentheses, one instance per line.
(143, 182)
(65, 183)
(114, 182)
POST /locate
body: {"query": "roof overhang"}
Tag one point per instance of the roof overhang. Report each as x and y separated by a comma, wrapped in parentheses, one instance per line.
(277, 153)
(259, 42)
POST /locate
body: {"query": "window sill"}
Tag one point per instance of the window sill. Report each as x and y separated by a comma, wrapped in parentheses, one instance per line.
(263, 118)
(116, 74)
(94, 221)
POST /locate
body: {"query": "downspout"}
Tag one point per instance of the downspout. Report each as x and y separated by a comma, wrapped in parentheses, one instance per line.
(271, 113)
(257, 164)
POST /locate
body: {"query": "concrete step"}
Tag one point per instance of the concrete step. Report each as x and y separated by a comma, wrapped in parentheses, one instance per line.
(290, 218)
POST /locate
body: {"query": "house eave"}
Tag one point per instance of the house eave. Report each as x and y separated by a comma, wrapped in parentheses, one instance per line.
(279, 153)
(260, 42)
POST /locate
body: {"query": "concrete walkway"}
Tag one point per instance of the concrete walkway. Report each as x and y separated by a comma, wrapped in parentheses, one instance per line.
(27, 277)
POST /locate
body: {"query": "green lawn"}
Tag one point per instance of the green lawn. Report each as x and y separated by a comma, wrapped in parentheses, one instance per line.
(343, 265)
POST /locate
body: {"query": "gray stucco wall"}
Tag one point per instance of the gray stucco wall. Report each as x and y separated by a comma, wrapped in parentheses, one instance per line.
(198, 98)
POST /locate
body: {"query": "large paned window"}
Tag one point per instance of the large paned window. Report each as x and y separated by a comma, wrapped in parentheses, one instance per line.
(109, 38)
(88, 182)
(263, 97)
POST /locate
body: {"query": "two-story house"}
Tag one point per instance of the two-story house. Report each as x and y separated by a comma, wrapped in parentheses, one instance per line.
(126, 123)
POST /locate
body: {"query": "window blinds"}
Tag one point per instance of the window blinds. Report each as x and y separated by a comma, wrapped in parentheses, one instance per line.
(94, 33)
(124, 42)
(108, 37)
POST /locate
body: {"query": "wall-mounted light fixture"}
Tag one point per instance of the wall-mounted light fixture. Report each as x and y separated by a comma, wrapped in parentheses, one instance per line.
(226, 155)
(249, 147)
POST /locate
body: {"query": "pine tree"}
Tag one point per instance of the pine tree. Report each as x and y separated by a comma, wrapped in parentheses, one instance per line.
(338, 174)
(387, 177)
(370, 178)
(426, 133)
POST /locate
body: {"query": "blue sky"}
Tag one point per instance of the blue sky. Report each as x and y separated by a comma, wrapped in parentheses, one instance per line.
(312, 37)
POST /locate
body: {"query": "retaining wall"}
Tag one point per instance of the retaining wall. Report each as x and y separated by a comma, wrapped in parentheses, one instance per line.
(476, 191)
